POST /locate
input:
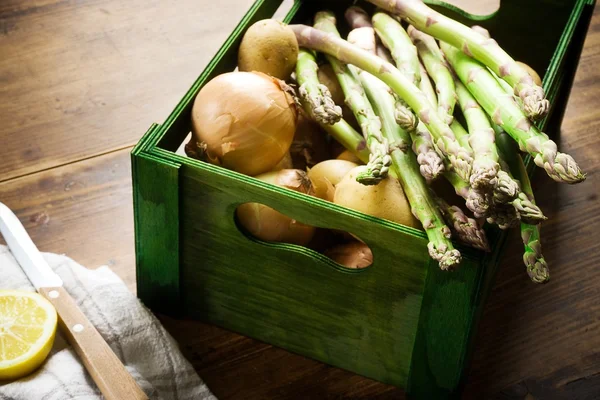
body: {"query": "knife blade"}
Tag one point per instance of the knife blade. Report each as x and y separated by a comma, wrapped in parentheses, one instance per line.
(25, 252)
(105, 368)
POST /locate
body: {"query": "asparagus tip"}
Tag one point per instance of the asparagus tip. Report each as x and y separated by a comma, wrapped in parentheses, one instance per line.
(484, 174)
(505, 216)
(467, 230)
(536, 107)
(376, 170)
(477, 202)
(527, 210)
(430, 164)
(506, 189)
(537, 268)
(322, 107)
(447, 258)
(405, 117)
(564, 169)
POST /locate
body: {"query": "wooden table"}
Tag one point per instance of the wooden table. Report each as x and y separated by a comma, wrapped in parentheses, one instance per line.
(80, 81)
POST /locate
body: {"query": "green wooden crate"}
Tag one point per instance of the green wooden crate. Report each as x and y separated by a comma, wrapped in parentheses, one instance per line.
(401, 321)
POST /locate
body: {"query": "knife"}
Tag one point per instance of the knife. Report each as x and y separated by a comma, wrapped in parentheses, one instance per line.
(103, 365)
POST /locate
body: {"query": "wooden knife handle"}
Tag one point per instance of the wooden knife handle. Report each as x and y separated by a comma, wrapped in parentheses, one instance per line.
(103, 365)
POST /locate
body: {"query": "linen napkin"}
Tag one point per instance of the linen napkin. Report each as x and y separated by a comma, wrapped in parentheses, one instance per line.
(135, 335)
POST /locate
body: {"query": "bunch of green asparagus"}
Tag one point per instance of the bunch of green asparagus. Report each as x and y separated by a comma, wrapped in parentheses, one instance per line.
(437, 100)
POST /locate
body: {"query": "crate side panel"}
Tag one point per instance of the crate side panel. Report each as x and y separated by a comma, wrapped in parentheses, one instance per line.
(289, 296)
(156, 232)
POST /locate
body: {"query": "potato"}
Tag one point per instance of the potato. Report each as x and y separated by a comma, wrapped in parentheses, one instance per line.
(351, 255)
(349, 156)
(327, 174)
(269, 46)
(327, 77)
(531, 72)
(385, 200)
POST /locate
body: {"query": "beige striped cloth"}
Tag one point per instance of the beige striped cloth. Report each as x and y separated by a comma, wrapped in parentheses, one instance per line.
(149, 353)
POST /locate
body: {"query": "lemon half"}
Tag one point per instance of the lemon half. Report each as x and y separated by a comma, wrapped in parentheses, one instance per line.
(27, 329)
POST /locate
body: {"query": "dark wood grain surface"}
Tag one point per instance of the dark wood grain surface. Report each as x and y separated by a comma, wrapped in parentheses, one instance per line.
(80, 81)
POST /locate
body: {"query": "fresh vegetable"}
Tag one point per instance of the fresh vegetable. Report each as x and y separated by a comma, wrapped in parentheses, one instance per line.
(359, 21)
(477, 201)
(379, 160)
(503, 215)
(537, 268)
(309, 146)
(244, 121)
(353, 141)
(353, 255)
(506, 188)
(268, 46)
(430, 161)
(334, 46)
(326, 76)
(327, 174)
(481, 139)
(27, 329)
(285, 163)
(532, 72)
(438, 70)
(473, 44)
(395, 38)
(419, 195)
(349, 156)
(461, 135)
(270, 225)
(314, 96)
(534, 75)
(386, 200)
(465, 229)
(505, 112)
(511, 193)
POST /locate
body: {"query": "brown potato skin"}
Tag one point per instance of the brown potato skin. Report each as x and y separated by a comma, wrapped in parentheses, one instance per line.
(269, 46)
(385, 200)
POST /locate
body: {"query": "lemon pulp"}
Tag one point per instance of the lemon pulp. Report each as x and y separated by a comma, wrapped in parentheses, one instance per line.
(27, 329)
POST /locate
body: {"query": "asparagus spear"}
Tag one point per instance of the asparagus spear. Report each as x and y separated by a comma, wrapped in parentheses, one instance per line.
(506, 188)
(503, 215)
(504, 111)
(353, 141)
(332, 45)
(474, 44)
(426, 86)
(356, 99)
(358, 18)
(423, 204)
(466, 229)
(524, 203)
(537, 268)
(395, 38)
(481, 138)
(438, 70)
(314, 96)
(461, 135)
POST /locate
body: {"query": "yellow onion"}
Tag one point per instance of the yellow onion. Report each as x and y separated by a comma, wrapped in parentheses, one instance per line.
(244, 121)
(285, 163)
(270, 225)
(351, 255)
